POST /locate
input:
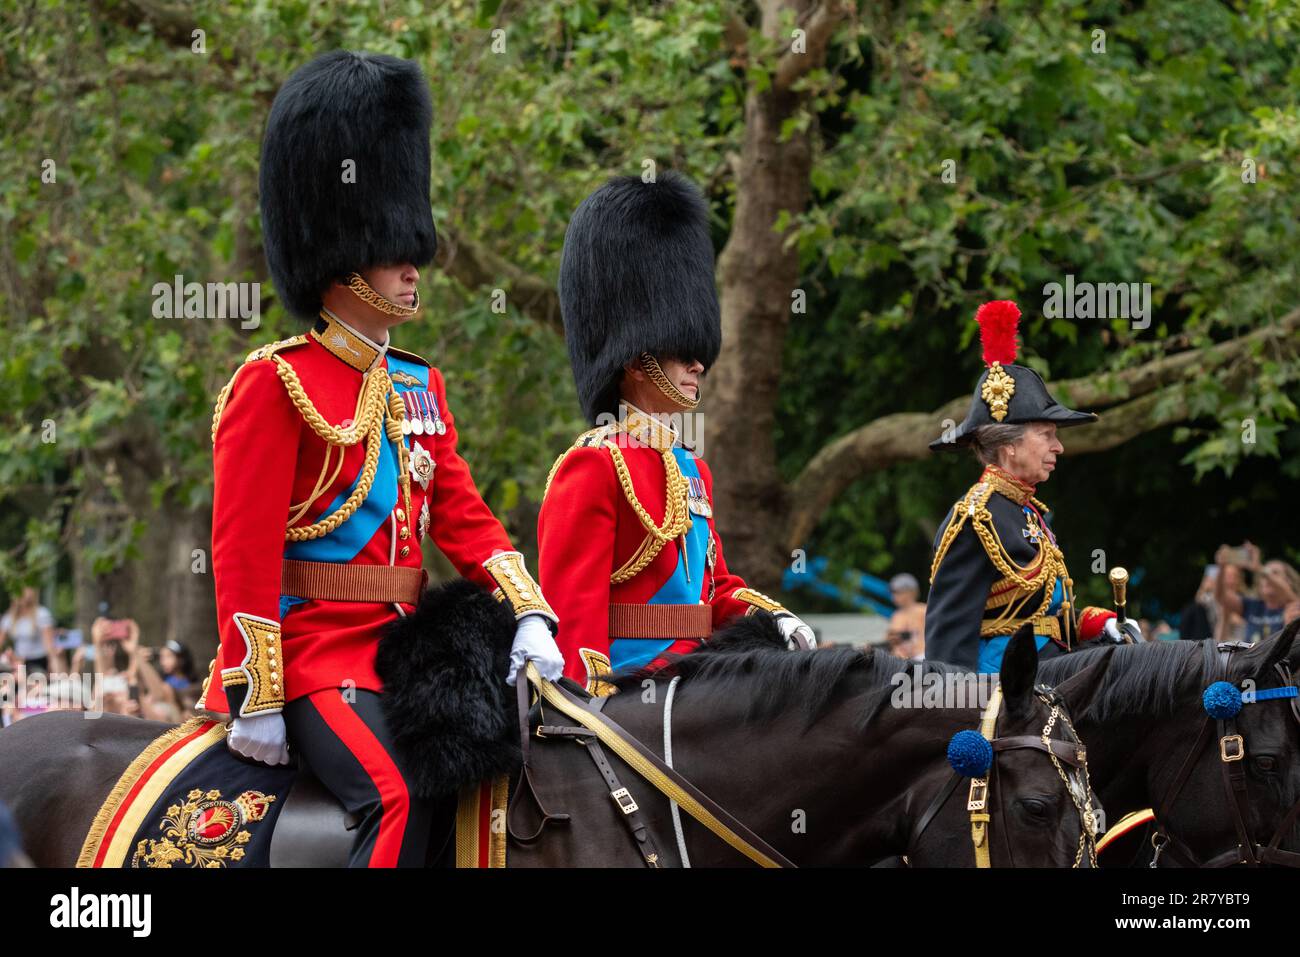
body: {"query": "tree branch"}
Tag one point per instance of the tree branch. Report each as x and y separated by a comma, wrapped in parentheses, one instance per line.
(818, 27)
(1152, 388)
(475, 266)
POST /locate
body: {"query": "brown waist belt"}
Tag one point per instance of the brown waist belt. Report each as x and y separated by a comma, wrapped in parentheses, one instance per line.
(660, 621)
(329, 581)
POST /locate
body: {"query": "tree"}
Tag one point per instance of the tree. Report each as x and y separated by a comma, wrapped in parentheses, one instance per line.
(875, 172)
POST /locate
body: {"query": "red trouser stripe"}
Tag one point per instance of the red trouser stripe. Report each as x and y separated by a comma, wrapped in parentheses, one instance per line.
(347, 725)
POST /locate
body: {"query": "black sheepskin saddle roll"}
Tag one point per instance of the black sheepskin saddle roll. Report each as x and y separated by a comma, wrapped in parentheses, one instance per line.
(453, 718)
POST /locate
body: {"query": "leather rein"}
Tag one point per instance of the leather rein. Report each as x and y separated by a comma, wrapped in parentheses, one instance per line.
(592, 730)
(1232, 752)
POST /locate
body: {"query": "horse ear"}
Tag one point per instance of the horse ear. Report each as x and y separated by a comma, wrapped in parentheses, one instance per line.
(1081, 688)
(1284, 648)
(1019, 668)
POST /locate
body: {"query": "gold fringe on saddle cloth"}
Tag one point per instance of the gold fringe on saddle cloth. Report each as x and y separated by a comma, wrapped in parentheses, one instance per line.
(481, 824)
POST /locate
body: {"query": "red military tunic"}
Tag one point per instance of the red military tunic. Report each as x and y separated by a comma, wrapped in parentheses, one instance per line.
(589, 530)
(274, 469)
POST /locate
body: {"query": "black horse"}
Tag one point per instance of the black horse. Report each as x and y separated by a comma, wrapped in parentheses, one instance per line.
(1149, 746)
(812, 751)
(806, 748)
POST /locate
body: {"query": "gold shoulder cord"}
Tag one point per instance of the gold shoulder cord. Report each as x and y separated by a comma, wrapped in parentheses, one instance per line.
(1024, 580)
(379, 411)
(677, 520)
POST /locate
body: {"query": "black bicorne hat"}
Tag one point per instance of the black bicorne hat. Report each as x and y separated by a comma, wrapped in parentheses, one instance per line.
(636, 276)
(344, 178)
(1006, 394)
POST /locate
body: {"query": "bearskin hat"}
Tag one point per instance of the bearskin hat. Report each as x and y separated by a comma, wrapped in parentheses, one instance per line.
(636, 276)
(344, 177)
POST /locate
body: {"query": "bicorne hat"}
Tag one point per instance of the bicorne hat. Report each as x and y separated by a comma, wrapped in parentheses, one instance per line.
(1006, 394)
(344, 177)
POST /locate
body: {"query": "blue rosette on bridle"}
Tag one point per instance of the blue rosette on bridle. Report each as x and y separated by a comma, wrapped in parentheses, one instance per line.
(970, 754)
(1221, 701)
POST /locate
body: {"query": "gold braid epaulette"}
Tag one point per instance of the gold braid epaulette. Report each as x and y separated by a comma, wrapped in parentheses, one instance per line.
(378, 412)
(677, 520)
(261, 352)
(1018, 584)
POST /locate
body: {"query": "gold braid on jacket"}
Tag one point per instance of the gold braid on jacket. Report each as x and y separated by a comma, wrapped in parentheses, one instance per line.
(379, 413)
(1018, 584)
(677, 519)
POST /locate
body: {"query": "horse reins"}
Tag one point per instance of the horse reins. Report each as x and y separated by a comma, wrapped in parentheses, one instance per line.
(980, 796)
(1232, 751)
(595, 729)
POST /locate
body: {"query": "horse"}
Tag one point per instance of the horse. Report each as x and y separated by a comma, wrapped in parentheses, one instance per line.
(1224, 798)
(810, 749)
(829, 762)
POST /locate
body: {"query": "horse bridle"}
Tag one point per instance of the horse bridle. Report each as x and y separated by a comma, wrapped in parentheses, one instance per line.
(1232, 751)
(980, 798)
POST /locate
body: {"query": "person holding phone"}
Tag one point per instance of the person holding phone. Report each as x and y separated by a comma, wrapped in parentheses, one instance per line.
(1277, 584)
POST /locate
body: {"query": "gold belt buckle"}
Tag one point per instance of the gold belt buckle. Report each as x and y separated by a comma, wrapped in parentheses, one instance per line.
(1239, 746)
(620, 796)
(979, 794)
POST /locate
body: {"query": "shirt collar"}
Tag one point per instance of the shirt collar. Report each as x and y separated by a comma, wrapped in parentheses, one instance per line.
(648, 429)
(346, 343)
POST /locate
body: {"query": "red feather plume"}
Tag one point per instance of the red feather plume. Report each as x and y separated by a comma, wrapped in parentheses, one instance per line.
(998, 321)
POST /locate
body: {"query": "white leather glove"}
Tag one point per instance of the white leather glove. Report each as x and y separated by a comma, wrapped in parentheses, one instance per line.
(1122, 636)
(798, 636)
(533, 642)
(260, 737)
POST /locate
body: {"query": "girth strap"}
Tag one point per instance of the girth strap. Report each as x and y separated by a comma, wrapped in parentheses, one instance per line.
(622, 798)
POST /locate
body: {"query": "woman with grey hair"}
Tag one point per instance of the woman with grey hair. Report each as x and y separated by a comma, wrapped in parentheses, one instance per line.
(997, 564)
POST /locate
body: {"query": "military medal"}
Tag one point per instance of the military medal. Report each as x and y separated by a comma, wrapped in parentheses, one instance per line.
(698, 498)
(421, 465)
(1033, 532)
(437, 425)
(422, 399)
(424, 519)
(413, 411)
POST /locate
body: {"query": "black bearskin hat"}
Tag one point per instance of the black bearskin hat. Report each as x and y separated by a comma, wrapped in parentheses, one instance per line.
(322, 220)
(637, 276)
(1006, 393)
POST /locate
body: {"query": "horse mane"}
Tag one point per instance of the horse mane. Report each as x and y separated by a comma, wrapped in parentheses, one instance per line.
(1152, 679)
(775, 682)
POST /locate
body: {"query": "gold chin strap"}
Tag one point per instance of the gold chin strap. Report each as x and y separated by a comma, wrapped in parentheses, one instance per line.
(656, 374)
(978, 801)
(363, 291)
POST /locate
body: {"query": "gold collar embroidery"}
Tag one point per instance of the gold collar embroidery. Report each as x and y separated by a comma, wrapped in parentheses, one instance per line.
(648, 429)
(1008, 485)
(344, 342)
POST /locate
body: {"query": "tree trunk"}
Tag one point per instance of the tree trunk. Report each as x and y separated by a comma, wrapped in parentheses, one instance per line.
(757, 275)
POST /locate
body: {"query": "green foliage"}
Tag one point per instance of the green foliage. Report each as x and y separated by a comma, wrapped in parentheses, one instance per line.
(1117, 166)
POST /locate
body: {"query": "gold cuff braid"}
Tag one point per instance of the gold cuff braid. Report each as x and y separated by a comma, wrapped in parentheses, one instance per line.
(517, 587)
(757, 601)
(262, 669)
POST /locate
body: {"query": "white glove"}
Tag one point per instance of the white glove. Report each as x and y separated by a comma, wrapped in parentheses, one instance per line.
(798, 636)
(533, 642)
(260, 737)
(1122, 636)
